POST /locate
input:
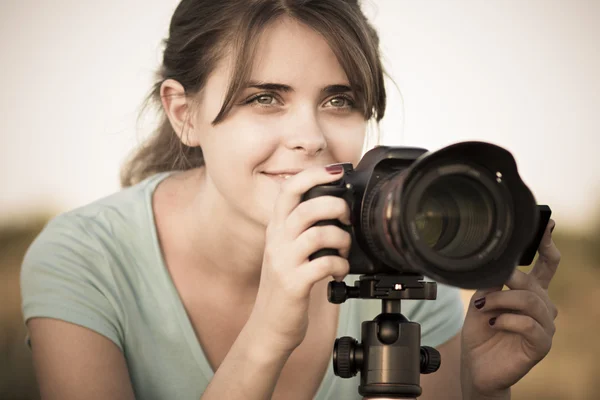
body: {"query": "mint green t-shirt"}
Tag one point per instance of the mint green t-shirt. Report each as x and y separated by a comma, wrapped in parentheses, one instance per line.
(100, 266)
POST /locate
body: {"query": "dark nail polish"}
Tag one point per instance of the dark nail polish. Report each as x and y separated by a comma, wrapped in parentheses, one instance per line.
(334, 169)
(479, 303)
(492, 321)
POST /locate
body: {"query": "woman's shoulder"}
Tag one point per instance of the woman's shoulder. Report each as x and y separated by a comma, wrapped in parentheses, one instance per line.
(133, 201)
(121, 219)
(125, 209)
(83, 260)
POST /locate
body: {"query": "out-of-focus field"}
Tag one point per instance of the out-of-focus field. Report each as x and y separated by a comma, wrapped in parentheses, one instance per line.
(570, 371)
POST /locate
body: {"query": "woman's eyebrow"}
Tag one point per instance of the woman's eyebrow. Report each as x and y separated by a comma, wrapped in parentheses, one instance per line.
(280, 87)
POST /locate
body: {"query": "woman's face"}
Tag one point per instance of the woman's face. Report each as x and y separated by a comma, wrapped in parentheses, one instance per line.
(296, 113)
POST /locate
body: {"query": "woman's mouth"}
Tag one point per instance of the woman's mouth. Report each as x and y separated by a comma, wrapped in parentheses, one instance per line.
(280, 176)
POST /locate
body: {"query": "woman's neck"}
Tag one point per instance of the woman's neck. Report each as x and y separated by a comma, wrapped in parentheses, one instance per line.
(205, 232)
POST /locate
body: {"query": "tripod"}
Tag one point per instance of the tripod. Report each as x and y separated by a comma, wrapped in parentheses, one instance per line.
(390, 357)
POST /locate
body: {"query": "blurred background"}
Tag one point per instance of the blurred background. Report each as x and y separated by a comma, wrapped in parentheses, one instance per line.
(521, 74)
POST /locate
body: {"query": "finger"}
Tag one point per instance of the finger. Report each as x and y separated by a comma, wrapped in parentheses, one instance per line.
(323, 267)
(524, 301)
(539, 342)
(520, 280)
(318, 209)
(322, 237)
(294, 187)
(482, 293)
(548, 259)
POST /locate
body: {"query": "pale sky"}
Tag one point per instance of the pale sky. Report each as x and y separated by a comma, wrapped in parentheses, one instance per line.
(523, 74)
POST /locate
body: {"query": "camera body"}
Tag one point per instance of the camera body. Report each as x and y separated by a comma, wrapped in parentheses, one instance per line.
(461, 215)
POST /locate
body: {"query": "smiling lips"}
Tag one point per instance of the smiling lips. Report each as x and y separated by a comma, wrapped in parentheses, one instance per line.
(281, 175)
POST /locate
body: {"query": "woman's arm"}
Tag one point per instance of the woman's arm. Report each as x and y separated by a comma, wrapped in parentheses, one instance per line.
(72, 362)
(250, 369)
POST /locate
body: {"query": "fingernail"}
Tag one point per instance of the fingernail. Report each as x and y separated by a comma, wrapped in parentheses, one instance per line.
(479, 303)
(552, 229)
(492, 321)
(334, 169)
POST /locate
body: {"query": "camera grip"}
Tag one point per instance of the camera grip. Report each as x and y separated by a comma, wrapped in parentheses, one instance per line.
(336, 189)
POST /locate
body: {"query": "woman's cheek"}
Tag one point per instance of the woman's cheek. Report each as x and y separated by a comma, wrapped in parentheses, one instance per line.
(246, 137)
(257, 143)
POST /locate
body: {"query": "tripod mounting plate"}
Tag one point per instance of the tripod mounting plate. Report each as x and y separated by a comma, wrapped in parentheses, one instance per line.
(383, 287)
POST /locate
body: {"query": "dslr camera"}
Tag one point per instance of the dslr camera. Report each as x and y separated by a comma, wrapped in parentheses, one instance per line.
(461, 215)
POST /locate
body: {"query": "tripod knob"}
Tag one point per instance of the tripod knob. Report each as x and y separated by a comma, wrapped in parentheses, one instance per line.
(336, 292)
(344, 362)
(430, 360)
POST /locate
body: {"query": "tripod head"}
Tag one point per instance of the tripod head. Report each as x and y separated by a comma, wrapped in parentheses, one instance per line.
(389, 357)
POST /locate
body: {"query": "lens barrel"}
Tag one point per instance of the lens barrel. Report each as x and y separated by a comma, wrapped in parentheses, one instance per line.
(459, 216)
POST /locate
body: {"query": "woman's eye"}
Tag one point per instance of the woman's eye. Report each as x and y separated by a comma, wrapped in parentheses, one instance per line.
(265, 99)
(262, 100)
(341, 102)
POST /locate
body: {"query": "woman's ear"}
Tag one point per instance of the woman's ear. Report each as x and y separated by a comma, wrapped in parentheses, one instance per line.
(177, 107)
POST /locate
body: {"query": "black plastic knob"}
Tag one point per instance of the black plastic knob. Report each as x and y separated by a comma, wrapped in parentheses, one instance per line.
(343, 357)
(337, 292)
(430, 360)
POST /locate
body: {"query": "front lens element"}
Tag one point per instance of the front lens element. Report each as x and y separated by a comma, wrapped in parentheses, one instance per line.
(455, 216)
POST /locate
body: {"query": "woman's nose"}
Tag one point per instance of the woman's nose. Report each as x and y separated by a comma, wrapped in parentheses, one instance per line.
(306, 135)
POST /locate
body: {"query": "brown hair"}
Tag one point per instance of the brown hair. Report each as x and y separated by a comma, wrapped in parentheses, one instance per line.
(201, 31)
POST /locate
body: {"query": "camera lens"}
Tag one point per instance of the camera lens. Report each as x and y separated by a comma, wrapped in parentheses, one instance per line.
(455, 216)
(450, 217)
(461, 215)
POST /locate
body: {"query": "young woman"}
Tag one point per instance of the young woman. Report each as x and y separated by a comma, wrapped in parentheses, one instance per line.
(194, 281)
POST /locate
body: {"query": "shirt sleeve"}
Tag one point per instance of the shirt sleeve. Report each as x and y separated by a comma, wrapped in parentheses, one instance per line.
(65, 275)
(440, 319)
